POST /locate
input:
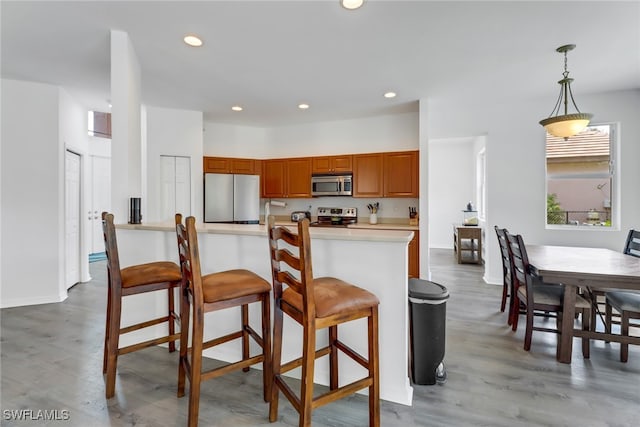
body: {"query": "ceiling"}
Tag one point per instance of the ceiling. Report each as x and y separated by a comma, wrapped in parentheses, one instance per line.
(270, 56)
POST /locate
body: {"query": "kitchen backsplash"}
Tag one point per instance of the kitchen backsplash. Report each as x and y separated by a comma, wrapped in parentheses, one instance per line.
(389, 208)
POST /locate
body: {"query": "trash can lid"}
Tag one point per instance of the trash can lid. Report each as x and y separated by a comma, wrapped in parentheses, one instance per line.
(427, 290)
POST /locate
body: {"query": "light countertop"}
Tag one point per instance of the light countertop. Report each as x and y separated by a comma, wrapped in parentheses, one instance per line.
(366, 232)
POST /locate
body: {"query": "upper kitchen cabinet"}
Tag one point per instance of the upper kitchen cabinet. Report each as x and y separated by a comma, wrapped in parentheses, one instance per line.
(401, 174)
(231, 165)
(386, 174)
(368, 175)
(332, 164)
(286, 178)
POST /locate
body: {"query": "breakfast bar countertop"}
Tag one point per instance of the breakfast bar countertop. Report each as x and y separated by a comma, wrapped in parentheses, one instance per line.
(367, 232)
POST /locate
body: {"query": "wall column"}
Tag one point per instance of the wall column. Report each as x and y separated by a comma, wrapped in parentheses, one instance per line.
(127, 148)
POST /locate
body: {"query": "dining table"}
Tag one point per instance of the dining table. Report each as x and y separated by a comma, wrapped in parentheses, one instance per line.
(584, 268)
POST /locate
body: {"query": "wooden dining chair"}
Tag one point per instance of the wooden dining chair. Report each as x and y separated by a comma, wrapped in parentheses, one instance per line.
(506, 272)
(625, 303)
(539, 298)
(317, 303)
(213, 292)
(133, 280)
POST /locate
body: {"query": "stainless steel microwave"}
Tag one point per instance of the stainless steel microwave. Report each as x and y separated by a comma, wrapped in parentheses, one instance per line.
(331, 185)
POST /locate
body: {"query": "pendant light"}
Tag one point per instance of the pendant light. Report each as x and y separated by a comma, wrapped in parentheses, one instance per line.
(565, 125)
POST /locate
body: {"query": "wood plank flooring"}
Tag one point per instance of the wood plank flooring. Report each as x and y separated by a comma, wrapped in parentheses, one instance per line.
(52, 360)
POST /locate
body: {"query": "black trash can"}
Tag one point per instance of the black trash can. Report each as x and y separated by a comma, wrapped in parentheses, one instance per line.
(427, 310)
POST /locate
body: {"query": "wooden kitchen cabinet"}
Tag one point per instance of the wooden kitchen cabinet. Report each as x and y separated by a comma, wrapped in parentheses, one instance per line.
(401, 174)
(386, 174)
(414, 255)
(274, 176)
(368, 175)
(332, 164)
(286, 178)
(299, 177)
(216, 165)
(230, 165)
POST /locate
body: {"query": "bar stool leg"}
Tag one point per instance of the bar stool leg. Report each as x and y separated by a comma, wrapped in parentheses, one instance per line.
(196, 368)
(308, 364)
(245, 335)
(172, 320)
(276, 362)
(333, 357)
(113, 342)
(267, 366)
(107, 333)
(374, 370)
(185, 311)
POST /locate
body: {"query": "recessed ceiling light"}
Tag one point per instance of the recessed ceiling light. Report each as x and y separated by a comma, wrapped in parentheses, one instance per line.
(351, 4)
(192, 40)
(236, 108)
(303, 106)
(390, 95)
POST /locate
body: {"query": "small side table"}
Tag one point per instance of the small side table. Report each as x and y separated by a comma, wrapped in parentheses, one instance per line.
(467, 243)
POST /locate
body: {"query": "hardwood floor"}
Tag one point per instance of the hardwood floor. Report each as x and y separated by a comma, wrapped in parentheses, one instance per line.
(52, 360)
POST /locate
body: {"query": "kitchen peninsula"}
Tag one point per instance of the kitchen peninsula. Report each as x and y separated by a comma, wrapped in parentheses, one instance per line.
(373, 259)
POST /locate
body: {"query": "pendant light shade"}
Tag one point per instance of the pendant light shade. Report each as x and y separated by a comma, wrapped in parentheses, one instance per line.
(567, 124)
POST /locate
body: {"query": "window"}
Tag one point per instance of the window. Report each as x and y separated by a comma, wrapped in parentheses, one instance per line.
(581, 176)
(99, 124)
(481, 178)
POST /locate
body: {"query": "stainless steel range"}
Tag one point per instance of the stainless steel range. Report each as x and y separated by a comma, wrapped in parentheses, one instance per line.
(336, 217)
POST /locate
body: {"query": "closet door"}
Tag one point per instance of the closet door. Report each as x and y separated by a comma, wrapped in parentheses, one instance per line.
(183, 186)
(175, 186)
(100, 199)
(72, 218)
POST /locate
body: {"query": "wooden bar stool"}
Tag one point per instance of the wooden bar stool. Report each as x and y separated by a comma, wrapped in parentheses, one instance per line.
(133, 280)
(217, 291)
(323, 302)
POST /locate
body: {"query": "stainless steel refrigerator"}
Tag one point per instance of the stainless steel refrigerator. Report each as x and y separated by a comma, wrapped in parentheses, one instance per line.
(231, 198)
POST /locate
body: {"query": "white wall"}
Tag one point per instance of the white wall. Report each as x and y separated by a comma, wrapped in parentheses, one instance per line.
(515, 165)
(368, 135)
(226, 140)
(32, 195)
(172, 133)
(451, 186)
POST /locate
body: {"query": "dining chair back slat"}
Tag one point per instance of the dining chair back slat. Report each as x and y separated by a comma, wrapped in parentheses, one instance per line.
(506, 270)
(632, 245)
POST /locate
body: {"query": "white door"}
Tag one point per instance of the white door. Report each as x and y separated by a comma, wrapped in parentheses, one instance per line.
(72, 219)
(100, 199)
(183, 186)
(175, 175)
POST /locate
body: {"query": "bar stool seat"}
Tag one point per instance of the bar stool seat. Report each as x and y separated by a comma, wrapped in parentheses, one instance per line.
(332, 296)
(152, 272)
(227, 285)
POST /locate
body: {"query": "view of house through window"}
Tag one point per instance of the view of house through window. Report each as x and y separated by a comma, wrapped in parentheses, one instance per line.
(580, 175)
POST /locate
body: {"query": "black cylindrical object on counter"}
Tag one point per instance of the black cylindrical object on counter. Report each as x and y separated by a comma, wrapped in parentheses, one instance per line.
(135, 213)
